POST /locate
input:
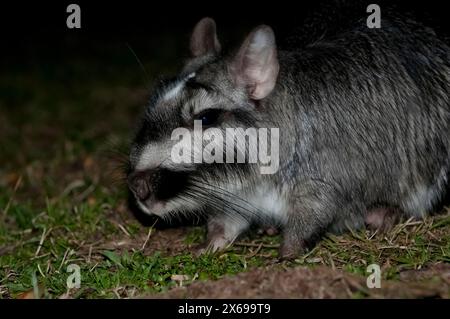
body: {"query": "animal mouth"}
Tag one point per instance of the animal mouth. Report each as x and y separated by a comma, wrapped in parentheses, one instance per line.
(153, 189)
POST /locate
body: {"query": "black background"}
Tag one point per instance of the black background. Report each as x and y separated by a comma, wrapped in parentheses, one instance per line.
(124, 17)
(279, 308)
(41, 26)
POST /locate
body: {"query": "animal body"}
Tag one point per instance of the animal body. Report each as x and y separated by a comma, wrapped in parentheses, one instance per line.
(363, 119)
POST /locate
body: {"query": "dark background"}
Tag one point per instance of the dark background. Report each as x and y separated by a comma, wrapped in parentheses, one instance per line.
(83, 85)
(38, 30)
(125, 17)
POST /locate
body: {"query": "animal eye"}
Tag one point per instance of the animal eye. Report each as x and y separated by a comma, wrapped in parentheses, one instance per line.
(209, 117)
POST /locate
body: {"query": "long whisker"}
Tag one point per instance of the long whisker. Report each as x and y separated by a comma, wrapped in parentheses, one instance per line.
(228, 200)
(146, 75)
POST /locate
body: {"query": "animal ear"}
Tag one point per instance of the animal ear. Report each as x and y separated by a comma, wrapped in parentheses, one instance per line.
(204, 38)
(255, 66)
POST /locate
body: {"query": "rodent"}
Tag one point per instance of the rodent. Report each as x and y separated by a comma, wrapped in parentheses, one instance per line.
(363, 119)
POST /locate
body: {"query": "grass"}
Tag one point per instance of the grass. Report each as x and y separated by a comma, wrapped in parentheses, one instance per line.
(60, 203)
(42, 245)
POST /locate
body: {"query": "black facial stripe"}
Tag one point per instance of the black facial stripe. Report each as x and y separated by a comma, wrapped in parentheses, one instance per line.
(195, 85)
(170, 184)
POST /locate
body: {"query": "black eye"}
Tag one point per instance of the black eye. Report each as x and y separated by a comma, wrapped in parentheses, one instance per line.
(209, 117)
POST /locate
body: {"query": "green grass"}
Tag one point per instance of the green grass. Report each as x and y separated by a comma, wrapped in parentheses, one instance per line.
(43, 245)
(43, 242)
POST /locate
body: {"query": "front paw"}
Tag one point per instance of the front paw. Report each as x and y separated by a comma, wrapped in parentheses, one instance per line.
(212, 246)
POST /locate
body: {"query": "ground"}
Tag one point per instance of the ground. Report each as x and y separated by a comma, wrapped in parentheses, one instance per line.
(63, 135)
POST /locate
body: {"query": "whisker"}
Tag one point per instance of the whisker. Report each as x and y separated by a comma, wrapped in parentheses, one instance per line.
(146, 75)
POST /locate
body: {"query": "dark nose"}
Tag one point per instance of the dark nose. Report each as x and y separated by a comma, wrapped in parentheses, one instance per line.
(140, 183)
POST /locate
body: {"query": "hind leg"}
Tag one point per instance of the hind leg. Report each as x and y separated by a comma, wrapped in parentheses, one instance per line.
(317, 209)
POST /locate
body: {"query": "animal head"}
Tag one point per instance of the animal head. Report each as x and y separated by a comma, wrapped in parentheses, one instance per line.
(171, 174)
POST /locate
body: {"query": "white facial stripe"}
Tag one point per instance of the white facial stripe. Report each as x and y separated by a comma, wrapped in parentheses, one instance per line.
(152, 156)
(174, 204)
(173, 92)
(144, 208)
(204, 102)
(176, 90)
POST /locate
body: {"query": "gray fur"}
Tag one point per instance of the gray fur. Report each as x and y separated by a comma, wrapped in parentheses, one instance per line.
(364, 123)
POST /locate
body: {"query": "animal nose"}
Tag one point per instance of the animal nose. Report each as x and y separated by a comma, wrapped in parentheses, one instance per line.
(139, 183)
